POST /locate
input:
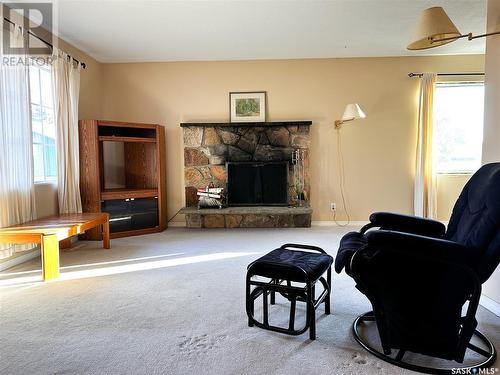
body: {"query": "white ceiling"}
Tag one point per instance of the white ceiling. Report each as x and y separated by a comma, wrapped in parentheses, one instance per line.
(132, 31)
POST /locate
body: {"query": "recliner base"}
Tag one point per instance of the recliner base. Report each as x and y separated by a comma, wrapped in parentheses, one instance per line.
(489, 354)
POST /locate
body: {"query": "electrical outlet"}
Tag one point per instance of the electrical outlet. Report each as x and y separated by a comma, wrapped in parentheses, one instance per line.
(333, 206)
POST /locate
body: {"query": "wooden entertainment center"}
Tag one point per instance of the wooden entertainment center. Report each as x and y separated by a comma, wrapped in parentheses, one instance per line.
(137, 205)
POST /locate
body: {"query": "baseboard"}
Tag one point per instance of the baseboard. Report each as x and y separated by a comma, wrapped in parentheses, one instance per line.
(20, 259)
(490, 304)
(331, 223)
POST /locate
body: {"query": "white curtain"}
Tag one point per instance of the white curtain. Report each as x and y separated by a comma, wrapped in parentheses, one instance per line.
(425, 178)
(17, 202)
(66, 82)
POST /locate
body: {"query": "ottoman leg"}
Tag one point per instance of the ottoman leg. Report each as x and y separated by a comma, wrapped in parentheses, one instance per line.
(312, 311)
(273, 294)
(250, 322)
(293, 302)
(265, 308)
(327, 298)
(249, 301)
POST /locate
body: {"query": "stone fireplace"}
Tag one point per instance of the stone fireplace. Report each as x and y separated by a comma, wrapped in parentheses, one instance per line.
(253, 162)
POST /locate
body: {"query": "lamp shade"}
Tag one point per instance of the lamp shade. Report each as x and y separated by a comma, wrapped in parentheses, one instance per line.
(353, 112)
(433, 23)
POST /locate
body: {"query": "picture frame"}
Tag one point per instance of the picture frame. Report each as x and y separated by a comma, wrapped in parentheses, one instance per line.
(247, 106)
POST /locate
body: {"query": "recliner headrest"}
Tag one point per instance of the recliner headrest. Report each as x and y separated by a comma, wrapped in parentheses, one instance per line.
(484, 188)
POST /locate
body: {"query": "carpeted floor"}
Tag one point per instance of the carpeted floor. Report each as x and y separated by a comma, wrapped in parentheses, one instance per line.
(173, 303)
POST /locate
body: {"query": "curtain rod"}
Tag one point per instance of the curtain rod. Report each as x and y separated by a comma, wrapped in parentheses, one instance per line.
(412, 74)
(44, 41)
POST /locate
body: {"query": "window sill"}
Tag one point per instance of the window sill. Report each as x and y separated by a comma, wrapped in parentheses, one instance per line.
(46, 183)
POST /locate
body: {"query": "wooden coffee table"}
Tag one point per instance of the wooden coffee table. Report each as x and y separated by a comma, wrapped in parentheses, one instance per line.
(49, 232)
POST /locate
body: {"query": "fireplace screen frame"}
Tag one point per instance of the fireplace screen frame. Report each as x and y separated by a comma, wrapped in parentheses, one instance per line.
(236, 204)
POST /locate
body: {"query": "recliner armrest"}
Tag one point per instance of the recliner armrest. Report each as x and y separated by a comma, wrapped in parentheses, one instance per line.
(408, 224)
(435, 248)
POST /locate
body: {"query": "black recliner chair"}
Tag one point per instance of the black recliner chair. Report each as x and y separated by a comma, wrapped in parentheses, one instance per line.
(419, 276)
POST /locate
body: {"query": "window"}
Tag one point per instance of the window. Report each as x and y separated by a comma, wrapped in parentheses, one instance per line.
(42, 124)
(458, 127)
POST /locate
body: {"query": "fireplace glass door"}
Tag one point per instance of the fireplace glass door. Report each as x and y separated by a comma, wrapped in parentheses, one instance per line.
(257, 183)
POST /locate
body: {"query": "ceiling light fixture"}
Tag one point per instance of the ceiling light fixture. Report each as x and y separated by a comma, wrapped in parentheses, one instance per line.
(434, 28)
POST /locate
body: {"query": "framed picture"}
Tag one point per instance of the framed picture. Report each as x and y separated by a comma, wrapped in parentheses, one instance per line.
(247, 106)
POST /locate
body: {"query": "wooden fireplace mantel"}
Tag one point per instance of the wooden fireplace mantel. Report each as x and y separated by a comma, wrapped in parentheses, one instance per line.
(246, 124)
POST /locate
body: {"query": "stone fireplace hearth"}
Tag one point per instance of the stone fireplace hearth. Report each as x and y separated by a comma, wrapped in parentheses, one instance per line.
(209, 146)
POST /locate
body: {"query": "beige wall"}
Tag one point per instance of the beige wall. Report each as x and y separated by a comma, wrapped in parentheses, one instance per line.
(378, 151)
(491, 145)
(491, 148)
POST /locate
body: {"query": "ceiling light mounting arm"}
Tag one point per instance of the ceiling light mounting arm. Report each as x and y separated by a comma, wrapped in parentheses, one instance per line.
(469, 36)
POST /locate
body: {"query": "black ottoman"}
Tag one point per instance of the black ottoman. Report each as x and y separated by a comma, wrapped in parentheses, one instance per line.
(287, 265)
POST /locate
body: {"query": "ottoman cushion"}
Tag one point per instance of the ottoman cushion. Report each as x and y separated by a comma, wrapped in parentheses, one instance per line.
(288, 264)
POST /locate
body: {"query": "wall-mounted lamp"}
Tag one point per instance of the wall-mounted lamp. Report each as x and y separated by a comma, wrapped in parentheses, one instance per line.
(434, 28)
(352, 112)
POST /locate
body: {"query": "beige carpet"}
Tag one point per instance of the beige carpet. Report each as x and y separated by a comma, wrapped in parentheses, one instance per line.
(173, 303)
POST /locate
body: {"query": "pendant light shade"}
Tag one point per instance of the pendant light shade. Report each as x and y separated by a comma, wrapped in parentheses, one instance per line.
(433, 24)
